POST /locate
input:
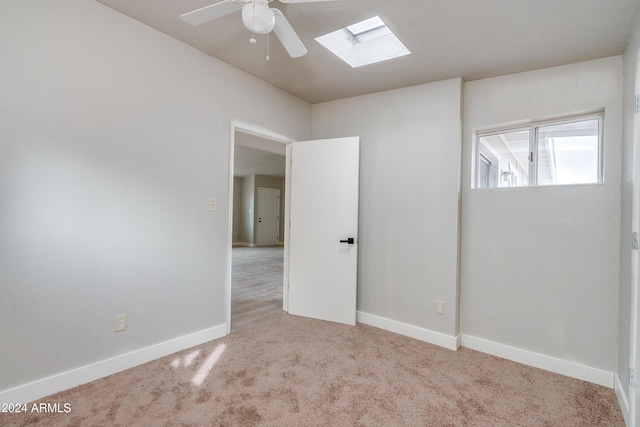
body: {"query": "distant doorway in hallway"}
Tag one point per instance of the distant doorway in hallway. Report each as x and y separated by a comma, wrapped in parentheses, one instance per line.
(268, 211)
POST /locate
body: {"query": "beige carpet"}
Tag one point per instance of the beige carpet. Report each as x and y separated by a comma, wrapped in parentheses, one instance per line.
(293, 371)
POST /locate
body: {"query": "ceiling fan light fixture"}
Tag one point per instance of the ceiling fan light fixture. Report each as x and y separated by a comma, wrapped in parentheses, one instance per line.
(257, 17)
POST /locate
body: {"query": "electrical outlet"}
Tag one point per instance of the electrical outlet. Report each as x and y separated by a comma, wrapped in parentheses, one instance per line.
(212, 204)
(121, 322)
(439, 307)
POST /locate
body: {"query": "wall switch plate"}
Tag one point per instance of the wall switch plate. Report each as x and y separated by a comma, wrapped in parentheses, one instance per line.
(121, 322)
(439, 307)
(212, 204)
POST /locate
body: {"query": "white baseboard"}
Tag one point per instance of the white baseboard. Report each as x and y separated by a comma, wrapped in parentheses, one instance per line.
(623, 401)
(245, 244)
(432, 337)
(84, 374)
(548, 363)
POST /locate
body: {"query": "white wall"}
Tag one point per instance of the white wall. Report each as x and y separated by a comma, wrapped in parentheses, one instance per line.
(248, 209)
(409, 192)
(540, 266)
(113, 137)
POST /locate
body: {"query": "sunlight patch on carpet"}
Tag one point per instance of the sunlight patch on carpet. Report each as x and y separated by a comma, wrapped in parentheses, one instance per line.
(206, 368)
(187, 360)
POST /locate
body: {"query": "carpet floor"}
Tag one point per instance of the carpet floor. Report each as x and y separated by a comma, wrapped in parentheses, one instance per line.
(293, 371)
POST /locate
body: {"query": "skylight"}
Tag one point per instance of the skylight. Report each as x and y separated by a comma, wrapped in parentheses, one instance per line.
(364, 43)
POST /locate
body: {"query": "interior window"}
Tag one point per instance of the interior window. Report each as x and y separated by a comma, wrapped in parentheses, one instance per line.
(554, 153)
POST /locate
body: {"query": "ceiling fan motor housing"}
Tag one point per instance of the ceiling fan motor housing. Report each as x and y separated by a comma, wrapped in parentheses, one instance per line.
(258, 17)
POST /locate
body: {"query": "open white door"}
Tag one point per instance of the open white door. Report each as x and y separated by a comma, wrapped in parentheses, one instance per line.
(323, 235)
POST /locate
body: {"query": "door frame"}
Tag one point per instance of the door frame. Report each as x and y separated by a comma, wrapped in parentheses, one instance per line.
(633, 400)
(239, 126)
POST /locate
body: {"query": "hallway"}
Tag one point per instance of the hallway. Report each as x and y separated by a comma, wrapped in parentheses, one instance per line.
(256, 285)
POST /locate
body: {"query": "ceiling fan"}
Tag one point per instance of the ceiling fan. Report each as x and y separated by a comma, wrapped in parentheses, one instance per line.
(258, 17)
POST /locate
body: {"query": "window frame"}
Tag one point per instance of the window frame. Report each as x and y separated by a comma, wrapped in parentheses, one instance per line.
(492, 161)
(533, 128)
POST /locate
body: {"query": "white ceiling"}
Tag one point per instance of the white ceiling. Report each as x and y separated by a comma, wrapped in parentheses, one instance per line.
(472, 39)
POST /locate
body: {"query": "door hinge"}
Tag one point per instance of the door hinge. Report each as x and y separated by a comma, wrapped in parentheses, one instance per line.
(637, 103)
(632, 378)
(634, 240)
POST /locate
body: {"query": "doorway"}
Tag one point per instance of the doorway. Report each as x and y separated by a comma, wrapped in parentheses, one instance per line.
(257, 253)
(313, 159)
(268, 211)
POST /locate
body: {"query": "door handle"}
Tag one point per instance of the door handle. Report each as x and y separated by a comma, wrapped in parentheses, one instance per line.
(349, 241)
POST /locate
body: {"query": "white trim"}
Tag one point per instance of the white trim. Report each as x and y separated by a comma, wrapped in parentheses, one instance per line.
(84, 374)
(632, 407)
(287, 226)
(432, 337)
(548, 363)
(227, 276)
(623, 402)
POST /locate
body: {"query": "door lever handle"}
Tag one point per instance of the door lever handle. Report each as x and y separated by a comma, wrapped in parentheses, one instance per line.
(349, 241)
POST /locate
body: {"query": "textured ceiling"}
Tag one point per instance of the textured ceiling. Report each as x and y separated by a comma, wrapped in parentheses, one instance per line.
(448, 38)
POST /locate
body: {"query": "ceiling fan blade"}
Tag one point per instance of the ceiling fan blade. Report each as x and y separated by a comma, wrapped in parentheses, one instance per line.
(287, 35)
(211, 12)
(303, 1)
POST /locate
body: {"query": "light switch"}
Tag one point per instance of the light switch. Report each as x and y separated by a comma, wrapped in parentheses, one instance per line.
(212, 204)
